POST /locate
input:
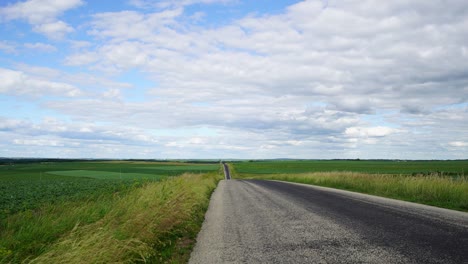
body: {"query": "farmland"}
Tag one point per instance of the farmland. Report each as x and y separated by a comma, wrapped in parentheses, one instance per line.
(143, 211)
(455, 167)
(42, 202)
(25, 186)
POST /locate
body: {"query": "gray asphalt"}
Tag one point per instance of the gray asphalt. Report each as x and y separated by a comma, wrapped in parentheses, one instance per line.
(227, 174)
(253, 221)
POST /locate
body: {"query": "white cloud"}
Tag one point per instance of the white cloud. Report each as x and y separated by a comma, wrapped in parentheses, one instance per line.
(11, 124)
(18, 83)
(197, 141)
(42, 72)
(133, 25)
(42, 15)
(113, 94)
(37, 11)
(40, 47)
(57, 130)
(81, 59)
(290, 53)
(7, 47)
(365, 132)
(174, 3)
(56, 29)
(459, 144)
(295, 54)
(79, 44)
(38, 142)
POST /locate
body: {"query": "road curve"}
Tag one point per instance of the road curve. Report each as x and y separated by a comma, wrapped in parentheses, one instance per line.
(253, 221)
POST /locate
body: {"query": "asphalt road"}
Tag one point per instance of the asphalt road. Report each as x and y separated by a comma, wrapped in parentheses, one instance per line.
(252, 221)
(227, 174)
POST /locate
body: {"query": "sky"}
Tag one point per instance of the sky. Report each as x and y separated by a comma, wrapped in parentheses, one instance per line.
(220, 79)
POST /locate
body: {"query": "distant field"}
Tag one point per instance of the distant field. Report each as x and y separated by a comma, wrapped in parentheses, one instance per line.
(106, 175)
(186, 168)
(363, 166)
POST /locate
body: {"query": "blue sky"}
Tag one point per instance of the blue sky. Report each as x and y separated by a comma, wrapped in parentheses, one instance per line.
(234, 79)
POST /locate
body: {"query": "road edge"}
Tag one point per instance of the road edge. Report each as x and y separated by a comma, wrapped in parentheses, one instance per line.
(458, 218)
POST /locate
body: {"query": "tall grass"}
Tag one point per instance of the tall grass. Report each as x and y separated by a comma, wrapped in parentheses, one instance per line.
(156, 222)
(436, 190)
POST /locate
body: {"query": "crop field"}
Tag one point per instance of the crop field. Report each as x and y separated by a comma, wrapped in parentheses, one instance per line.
(24, 186)
(438, 183)
(42, 202)
(455, 168)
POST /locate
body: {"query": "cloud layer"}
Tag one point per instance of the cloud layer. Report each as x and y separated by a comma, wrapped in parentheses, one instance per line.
(335, 79)
(42, 15)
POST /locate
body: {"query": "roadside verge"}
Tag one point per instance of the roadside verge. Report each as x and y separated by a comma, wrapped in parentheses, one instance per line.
(440, 191)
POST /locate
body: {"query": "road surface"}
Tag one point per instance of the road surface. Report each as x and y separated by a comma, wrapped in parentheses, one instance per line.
(253, 221)
(227, 174)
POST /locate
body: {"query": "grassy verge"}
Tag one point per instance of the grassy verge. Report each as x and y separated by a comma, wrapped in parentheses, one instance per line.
(436, 190)
(156, 223)
(427, 167)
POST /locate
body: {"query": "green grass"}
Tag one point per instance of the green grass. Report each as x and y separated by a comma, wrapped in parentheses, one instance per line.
(457, 167)
(437, 183)
(104, 212)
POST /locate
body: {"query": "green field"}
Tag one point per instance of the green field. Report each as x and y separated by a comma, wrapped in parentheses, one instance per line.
(25, 186)
(457, 167)
(134, 207)
(106, 175)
